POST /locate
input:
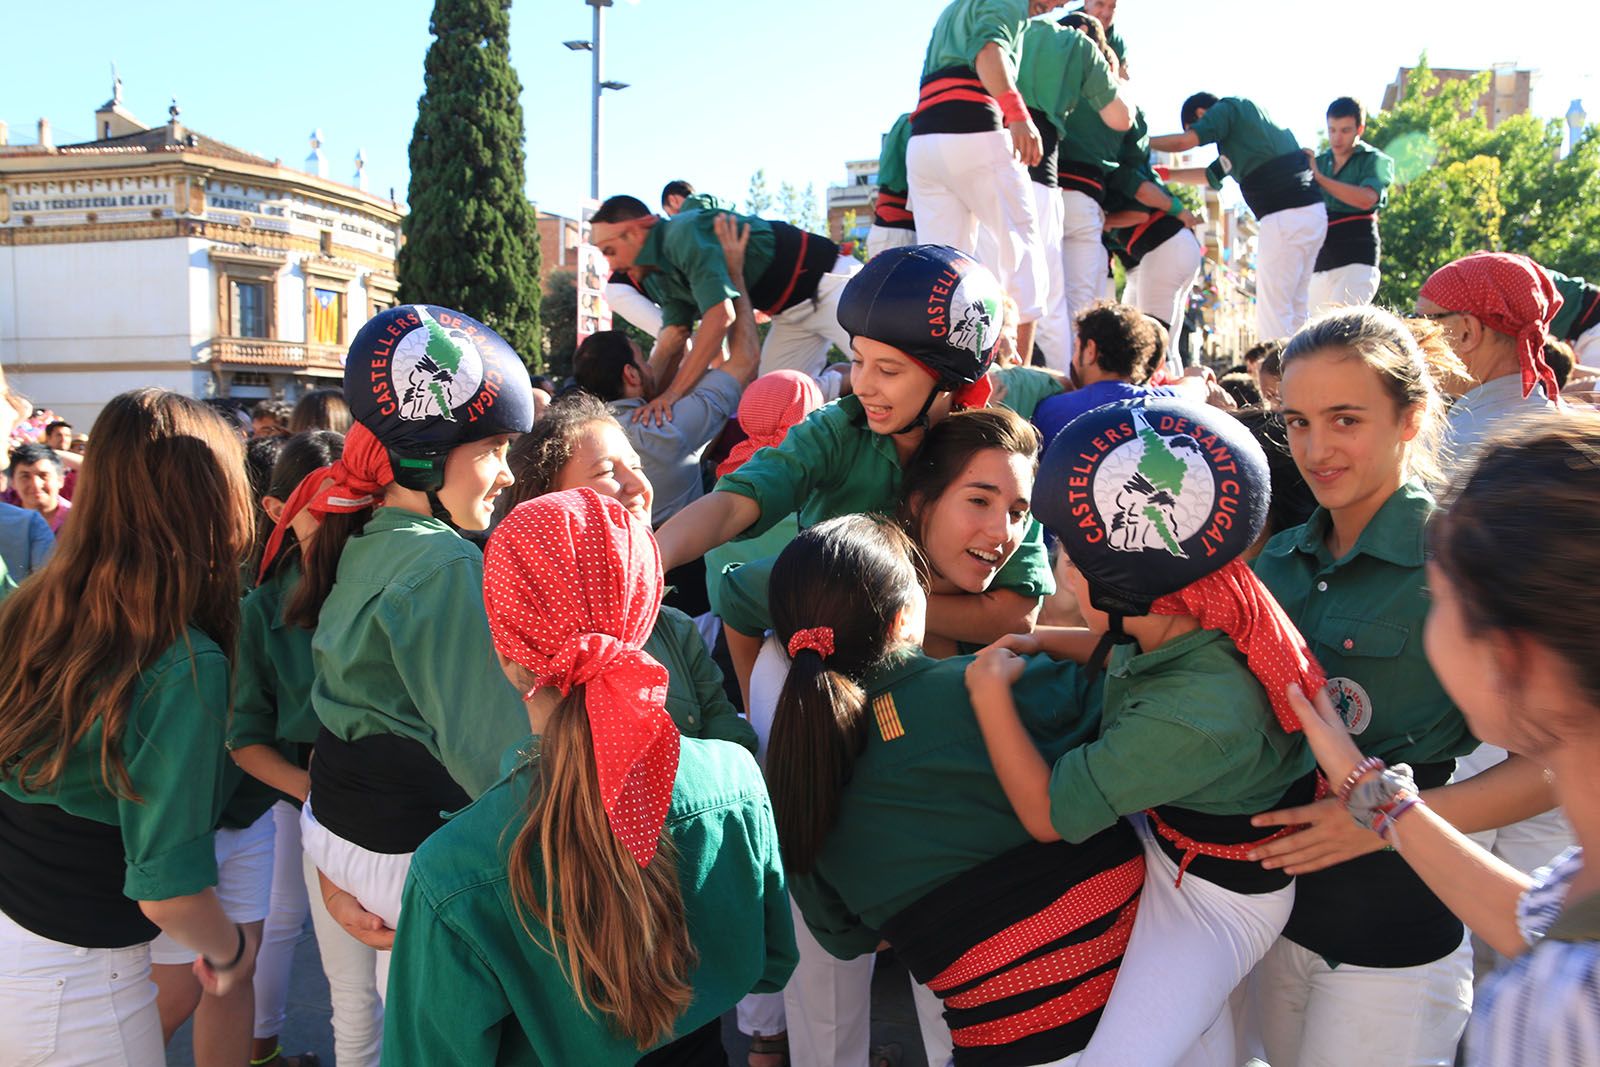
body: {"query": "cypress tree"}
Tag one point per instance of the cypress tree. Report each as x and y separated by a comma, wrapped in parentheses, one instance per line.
(472, 237)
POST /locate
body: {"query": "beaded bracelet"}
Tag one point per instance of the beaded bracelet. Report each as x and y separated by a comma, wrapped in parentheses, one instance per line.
(1384, 819)
(1359, 771)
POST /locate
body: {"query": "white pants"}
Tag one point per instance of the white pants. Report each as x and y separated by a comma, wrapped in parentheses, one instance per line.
(1586, 347)
(244, 883)
(1054, 337)
(1160, 285)
(634, 306)
(1286, 251)
(1191, 946)
(1347, 286)
(352, 972)
(937, 1044)
(799, 338)
(881, 238)
(75, 1007)
(960, 181)
(285, 920)
(1314, 1015)
(1083, 254)
(375, 879)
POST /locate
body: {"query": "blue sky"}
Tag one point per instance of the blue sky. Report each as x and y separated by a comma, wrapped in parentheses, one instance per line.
(718, 87)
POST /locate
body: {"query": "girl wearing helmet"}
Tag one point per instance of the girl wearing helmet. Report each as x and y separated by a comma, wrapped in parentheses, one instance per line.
(414, 717)
(1154, 500)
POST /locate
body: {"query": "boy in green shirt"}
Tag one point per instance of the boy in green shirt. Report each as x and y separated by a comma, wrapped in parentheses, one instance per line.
(1354, 178)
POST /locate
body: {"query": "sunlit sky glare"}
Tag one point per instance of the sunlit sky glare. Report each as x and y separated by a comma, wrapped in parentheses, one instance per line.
(717, 88)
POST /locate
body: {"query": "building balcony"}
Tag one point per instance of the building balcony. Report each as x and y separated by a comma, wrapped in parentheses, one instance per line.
(259, 352)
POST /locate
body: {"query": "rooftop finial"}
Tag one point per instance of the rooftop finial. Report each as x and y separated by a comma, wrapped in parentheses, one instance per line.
(173, 110)
(116, 84)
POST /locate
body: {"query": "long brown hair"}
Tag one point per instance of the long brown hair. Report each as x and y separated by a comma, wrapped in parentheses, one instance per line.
(853, 575)
(617, 930)
(947, 448)
(161, 522)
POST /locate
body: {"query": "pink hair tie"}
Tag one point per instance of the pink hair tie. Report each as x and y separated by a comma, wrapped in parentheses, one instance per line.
(818, 639)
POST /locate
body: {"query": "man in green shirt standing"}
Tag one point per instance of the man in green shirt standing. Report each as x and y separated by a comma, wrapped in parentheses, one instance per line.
(1354, 178)
(1274, 174)
(892, 223)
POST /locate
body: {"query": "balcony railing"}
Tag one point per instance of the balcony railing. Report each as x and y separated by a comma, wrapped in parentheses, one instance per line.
(262, 353)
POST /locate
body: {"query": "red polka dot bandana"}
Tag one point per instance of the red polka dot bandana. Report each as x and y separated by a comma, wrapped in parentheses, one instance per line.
(572, 584)
(1234, 601)
(353, 483)
(773, 403)
(1510, 294)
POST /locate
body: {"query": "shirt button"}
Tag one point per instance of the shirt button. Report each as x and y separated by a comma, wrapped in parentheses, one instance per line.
(691, 720)
(1322, 587)
(1348, 644)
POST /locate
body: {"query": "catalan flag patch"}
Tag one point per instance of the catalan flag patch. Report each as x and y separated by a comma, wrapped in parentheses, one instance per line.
(888, 717)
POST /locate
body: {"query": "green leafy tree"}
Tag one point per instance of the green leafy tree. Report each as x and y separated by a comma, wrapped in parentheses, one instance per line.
(472, 239)
(759, 200)
(1461, 186)
(559, 313)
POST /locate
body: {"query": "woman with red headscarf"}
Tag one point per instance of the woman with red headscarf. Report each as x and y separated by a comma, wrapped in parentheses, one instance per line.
(621, 885)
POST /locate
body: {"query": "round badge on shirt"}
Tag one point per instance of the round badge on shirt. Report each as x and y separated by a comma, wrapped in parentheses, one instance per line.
(1352, 703)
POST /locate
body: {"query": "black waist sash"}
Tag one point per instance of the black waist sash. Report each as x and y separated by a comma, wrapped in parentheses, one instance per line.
(1351, 239)
(1024, 948)
(1279, 184)
(953, 100)
(1044, 172)
(61, 877)
(799, 260)
(1085, 178)
(1238, 875)
(384, 792)
(1589, 317)
(891, 211)
(1149, 236)
(1373, 911)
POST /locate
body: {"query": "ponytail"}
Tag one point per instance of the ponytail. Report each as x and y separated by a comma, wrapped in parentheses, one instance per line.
(820, 726)
(322, 566)
(617, 930)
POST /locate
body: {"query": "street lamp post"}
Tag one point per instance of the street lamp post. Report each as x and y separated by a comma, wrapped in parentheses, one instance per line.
(596, 47)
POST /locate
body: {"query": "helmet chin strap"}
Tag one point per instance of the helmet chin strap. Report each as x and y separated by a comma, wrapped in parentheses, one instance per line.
(441, 512)
(1102, 650)
(921, 421)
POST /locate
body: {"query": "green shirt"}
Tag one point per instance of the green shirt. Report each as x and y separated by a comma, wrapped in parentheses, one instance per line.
(1245, 136)
(172, 746)
(1186, 724)
(1062, 71)
(1363, 617)
(1575, 297)
(402, 647)
(1366, 167)
(923, 804)
(1085, 137)
(1027, 387)
(468, 985)
(727, 558)
(695, 697)
(702, 202)
(1118, 45)
(966, 26)
(272, 671)
(892, 159)
(691, 271)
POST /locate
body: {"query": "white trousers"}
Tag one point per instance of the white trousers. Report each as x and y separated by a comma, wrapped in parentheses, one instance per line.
(1314, 1015)
(1286, 251)
(1160, 285)
(634, 306)
(352, 972)
(960, 181)
(937, 1044)
(1191, 946)
(285, 920)
(244, 883)
(1586, 347)
(1054, 333)
(1084, 256)
(799, 338)
(1347, 286)
(882, 238)
(75, 1007)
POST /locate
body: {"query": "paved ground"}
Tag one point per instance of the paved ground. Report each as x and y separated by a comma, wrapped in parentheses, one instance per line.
(894, 1018)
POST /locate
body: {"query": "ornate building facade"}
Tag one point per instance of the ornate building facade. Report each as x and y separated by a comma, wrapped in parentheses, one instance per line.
(160, 256)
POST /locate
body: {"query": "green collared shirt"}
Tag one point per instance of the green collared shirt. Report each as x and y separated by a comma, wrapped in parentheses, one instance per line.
(402, 647)
(272, 670)
(1363, 616)
(892, 158)
(966, 26)
(925, 768)
(690, 275)
(1575, 297)
(1027, 388)
(1367, 167)
(468, 985)
(703, 202)
(1085, 137)
(1118, 45)
(1187, 725)
(1062, 71)
(1133, 165)
(695, 697)
(1245, 136)
(172, 746)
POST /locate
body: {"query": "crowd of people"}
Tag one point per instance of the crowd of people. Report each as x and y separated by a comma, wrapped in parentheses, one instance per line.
(1148, 716)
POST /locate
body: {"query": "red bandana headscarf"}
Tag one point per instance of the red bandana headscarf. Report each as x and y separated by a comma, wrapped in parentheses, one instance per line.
(1234, 601)
(773, 403)
(353, 483)
(572, 584)
(1510, 294)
